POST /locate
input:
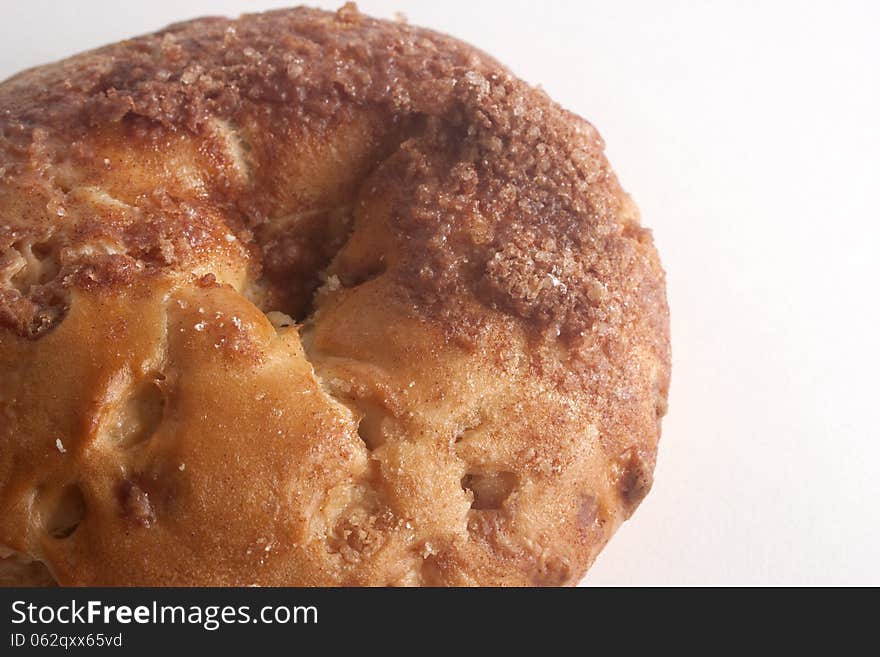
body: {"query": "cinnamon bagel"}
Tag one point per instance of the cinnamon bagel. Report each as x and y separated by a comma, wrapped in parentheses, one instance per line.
(308, 298)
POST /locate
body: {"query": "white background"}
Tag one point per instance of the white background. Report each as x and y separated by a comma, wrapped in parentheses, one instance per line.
(748, 134)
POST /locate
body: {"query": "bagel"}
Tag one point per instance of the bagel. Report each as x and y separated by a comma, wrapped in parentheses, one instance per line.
(308, 298)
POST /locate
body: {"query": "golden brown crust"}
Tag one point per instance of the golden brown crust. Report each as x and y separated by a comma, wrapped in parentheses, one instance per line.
(474, 393)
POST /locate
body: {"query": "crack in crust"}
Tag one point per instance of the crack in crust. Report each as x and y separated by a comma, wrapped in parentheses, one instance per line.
(400, 300)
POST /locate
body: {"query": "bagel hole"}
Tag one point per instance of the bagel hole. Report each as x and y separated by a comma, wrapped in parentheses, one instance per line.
(296, 250)
(65, 512)
(489, 490)
(140, 413)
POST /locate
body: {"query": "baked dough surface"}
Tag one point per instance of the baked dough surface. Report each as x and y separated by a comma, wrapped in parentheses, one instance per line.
(308, 298)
